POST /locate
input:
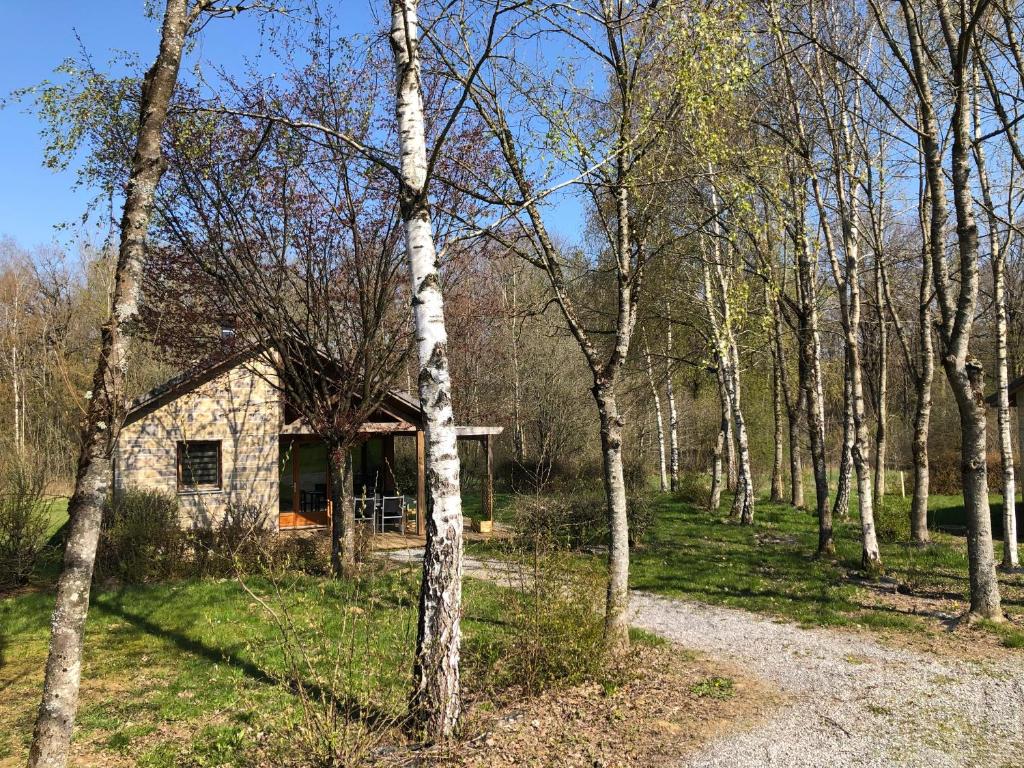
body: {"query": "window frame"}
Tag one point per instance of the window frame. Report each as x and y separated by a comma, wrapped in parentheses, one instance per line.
(182, 448)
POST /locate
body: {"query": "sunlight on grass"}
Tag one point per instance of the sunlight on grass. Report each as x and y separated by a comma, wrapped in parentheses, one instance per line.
(771, 568)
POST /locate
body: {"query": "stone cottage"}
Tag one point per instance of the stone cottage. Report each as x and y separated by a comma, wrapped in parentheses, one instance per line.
(221, 435)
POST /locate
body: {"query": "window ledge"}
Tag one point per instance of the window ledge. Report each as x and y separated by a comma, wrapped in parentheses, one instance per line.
(199, 491)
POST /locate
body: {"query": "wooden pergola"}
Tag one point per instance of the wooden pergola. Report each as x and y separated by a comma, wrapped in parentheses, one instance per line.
(400, 416)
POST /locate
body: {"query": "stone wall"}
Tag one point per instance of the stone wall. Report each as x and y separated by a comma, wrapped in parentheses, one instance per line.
(239, 408)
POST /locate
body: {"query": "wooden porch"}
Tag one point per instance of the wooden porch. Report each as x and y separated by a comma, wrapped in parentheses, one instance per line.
(305, 480)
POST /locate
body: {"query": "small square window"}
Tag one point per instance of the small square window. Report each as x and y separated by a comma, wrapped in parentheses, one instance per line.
(198, 464)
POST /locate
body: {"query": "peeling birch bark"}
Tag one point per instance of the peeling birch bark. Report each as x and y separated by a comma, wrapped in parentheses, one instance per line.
(436, 700)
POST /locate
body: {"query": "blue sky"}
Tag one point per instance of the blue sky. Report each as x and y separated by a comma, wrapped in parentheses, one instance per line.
(35, 37)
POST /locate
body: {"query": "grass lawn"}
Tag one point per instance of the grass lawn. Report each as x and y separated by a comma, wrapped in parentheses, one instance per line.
(770, 567)
(193, 673)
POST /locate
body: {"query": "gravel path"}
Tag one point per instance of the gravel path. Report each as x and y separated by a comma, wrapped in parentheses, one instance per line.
(850, 701)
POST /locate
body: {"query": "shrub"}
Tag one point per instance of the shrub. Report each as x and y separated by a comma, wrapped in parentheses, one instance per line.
(141, 539)
(553, 629)
(892, 521)
(575, 520)
(24, 519)
(238, 541)
(309, 554)
(694, 488)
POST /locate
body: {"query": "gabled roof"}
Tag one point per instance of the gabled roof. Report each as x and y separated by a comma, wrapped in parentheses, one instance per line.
(397, 403)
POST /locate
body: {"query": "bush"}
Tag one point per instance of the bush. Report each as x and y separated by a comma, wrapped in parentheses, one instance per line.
(24, 519)
(141, 538)
(575, 520)
(694, 488)
(554, 630)
(892, 521)
(310, 554)
(239, 541)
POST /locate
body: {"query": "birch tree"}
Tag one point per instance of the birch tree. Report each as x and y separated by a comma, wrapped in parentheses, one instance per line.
(998, 245)
(607, 144)
(51, 737)
(923, 60)
(436, 700)
(656, 399)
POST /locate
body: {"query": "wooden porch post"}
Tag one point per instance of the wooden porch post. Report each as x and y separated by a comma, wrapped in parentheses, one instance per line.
(296, 480)
(421, 480)
(488, 495)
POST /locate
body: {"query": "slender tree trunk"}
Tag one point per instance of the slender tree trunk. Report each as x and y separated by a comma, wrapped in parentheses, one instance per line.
(922, 408)
(882, 392)
(518, 432)
(923, 367)
(663, 472)
(1010, 556)
(617, 603)
(673, 415)
(715, 499)
(743, 501)
(841, 507)
(794, 413)
(732, 473)
(19, 435)
(436, 700)
(778, 441)
(1004, 425)
(54, 724)
(343, 513)
(810, 350)
(725, 430)
(673, 432)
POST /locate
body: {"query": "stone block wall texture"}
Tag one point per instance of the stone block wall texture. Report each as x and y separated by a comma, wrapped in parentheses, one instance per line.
(242, 409)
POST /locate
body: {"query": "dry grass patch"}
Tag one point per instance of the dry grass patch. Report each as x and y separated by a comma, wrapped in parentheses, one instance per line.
(660, 712)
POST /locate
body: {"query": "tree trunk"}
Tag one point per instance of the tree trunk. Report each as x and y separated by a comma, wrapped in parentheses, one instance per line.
(732, 472)
(663, 472)
(715, 499)
(841, 507)
(673, 433)
(54, 724)
(617, 604)
(794, 414)
(743, 501)
(956, 312)
(725, 435)
(882, 393)
(1010, 557)
(673, 415)
(777, 492)
(998, 259)
(985, 602)
(810, 347)
(436, 700)
(343, 513)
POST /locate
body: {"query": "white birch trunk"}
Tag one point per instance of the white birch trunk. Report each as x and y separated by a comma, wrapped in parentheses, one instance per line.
(1004, 425)
(673, 415)
(663, 470)
(436, 701)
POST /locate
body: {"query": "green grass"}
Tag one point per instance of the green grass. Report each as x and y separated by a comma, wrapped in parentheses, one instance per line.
(770, 567)
(188, 672)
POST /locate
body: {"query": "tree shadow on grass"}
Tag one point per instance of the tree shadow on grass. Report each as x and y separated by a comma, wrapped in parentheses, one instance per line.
(369, 715)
